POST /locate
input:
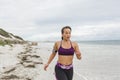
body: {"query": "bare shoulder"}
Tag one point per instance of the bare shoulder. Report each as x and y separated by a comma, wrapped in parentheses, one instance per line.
(57, 43)
(75, 46)
(74, 43)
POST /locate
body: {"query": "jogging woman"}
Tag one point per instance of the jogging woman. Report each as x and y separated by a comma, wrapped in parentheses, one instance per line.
(66, 50)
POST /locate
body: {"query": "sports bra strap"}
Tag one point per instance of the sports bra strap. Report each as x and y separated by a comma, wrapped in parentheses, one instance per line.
(61, 44)
(71, 44)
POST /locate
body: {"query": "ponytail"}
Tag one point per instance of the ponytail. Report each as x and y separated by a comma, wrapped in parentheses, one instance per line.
(62, 38)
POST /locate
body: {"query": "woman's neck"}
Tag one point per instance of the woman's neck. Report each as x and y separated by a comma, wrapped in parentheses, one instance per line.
(66, 40)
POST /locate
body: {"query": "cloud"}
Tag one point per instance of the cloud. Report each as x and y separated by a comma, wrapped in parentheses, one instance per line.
(35, 19)
(98, 32)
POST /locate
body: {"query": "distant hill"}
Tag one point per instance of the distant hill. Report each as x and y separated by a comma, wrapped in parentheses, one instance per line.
(9, 38)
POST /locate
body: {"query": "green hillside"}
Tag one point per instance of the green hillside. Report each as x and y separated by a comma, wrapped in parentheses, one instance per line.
(7, 38)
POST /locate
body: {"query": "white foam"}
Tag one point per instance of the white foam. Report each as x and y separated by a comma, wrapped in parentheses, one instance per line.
(80, 76)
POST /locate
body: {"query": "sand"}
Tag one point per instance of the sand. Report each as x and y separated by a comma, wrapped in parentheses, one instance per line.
(26, 62)
(20, 62)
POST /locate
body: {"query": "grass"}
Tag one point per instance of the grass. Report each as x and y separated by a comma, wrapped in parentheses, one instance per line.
(8, 35)
(18, 37)
(2, 43)
(5, 42)
(4, 33)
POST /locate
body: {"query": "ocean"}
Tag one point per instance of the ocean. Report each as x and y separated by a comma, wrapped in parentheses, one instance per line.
(100, 60)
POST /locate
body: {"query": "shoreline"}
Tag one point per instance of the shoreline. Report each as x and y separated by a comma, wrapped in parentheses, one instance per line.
(26, 62)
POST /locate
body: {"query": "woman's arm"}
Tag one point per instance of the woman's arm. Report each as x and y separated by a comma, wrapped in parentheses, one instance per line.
(77, 51)
(51, 56)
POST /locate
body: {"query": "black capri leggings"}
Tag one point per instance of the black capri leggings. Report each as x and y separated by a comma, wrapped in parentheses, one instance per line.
(63, 74)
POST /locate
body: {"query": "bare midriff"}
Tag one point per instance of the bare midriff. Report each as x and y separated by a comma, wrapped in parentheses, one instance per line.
(65, 60)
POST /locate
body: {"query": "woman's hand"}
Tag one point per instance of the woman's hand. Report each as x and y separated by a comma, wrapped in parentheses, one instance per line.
(45, 67)
(78, 56)
(77, 51)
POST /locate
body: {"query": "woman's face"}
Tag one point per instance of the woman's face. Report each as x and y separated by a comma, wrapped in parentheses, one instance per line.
(66, 34)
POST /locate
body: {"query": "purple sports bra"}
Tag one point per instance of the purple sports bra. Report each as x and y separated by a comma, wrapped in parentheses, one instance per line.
(63, 51)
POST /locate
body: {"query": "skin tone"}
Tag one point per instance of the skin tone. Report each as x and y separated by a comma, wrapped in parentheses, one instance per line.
(64, 59)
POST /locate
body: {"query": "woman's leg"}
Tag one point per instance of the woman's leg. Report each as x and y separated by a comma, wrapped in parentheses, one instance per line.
(69, 74)
(60, 73)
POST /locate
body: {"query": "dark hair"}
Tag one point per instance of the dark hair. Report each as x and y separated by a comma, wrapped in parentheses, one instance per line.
(66, 27)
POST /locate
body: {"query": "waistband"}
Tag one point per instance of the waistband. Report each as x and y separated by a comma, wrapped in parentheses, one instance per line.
(65, 66)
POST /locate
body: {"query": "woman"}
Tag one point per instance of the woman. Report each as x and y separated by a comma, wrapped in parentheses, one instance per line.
(66, 49)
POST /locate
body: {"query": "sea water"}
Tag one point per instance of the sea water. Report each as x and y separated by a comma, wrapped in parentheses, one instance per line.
(100, 60)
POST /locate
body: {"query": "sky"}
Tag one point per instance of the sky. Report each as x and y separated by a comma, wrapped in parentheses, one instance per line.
(42, 20)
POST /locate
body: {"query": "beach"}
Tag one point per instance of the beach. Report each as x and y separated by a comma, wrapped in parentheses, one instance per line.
(26, 62)
(19, 62)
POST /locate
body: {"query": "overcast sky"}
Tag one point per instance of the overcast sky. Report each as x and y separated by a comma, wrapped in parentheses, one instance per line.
(43, 19)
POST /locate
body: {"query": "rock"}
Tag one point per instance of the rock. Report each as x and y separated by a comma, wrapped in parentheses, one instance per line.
(34, 43)
(36, 56)
(38, 62)
(8, 77)
(28, 79)
(30, 65)
(10, 69)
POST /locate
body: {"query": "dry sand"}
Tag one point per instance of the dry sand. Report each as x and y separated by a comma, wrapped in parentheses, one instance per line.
(26, 62)
(21, 62)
